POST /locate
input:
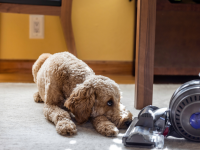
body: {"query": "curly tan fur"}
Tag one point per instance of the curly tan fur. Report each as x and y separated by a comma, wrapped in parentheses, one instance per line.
(61, 119)
(37, 65)
(104, 126)
(37, 98)
(65, 81)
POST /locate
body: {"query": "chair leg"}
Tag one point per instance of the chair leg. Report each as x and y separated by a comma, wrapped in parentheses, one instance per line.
(145, 45)
(66, 22)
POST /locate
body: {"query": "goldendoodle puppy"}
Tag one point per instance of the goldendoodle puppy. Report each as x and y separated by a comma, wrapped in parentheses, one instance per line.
(68, 87)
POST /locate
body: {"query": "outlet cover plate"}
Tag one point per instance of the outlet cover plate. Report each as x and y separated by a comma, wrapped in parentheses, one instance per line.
(36, 26)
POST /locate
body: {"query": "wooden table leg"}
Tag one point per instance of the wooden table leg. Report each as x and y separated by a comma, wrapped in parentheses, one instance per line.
(145, 45)
(66, 22)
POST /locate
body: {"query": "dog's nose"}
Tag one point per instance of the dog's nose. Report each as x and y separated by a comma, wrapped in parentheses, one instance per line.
(127, 123)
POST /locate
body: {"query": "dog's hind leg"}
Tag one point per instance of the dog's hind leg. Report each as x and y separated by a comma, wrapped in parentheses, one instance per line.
(37, 98)
(61, 118)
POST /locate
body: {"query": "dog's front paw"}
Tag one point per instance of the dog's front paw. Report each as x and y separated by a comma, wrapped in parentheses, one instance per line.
(108, 130)
(66, 127)
(37, 98)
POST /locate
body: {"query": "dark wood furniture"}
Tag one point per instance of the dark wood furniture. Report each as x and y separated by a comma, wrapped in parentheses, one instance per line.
(145, 43)
(60, 8)
(34, 2)
(176, 42)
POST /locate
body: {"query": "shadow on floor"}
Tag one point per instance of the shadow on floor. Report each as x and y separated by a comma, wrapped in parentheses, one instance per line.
(173, 79)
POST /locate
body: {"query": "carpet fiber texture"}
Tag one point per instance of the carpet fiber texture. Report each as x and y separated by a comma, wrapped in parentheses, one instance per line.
(23, 125)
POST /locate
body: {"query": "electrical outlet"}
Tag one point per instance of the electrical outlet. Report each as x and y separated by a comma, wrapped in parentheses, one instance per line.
(36, 26)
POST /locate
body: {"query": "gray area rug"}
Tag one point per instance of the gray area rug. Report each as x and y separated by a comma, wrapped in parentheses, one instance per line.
(23, 125)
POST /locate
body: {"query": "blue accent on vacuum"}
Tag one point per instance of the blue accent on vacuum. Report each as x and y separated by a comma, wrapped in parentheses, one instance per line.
(195, 120)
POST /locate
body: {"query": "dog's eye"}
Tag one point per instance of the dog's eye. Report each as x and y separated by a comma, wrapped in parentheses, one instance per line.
(110, 103)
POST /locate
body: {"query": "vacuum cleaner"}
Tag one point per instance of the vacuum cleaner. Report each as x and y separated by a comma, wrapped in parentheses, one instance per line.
(180, 120)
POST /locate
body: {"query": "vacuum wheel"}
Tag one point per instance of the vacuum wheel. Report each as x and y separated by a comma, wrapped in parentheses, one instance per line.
(185, 110)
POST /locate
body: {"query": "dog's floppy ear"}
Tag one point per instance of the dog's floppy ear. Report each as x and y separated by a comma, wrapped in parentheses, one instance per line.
(80, 102)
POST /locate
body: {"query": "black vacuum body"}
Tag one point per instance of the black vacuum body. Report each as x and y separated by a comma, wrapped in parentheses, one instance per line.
(181, 119)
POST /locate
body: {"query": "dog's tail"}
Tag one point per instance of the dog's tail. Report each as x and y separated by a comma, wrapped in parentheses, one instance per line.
(37, 65)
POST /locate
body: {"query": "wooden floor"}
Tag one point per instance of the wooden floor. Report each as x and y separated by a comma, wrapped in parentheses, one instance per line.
(28, 78)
